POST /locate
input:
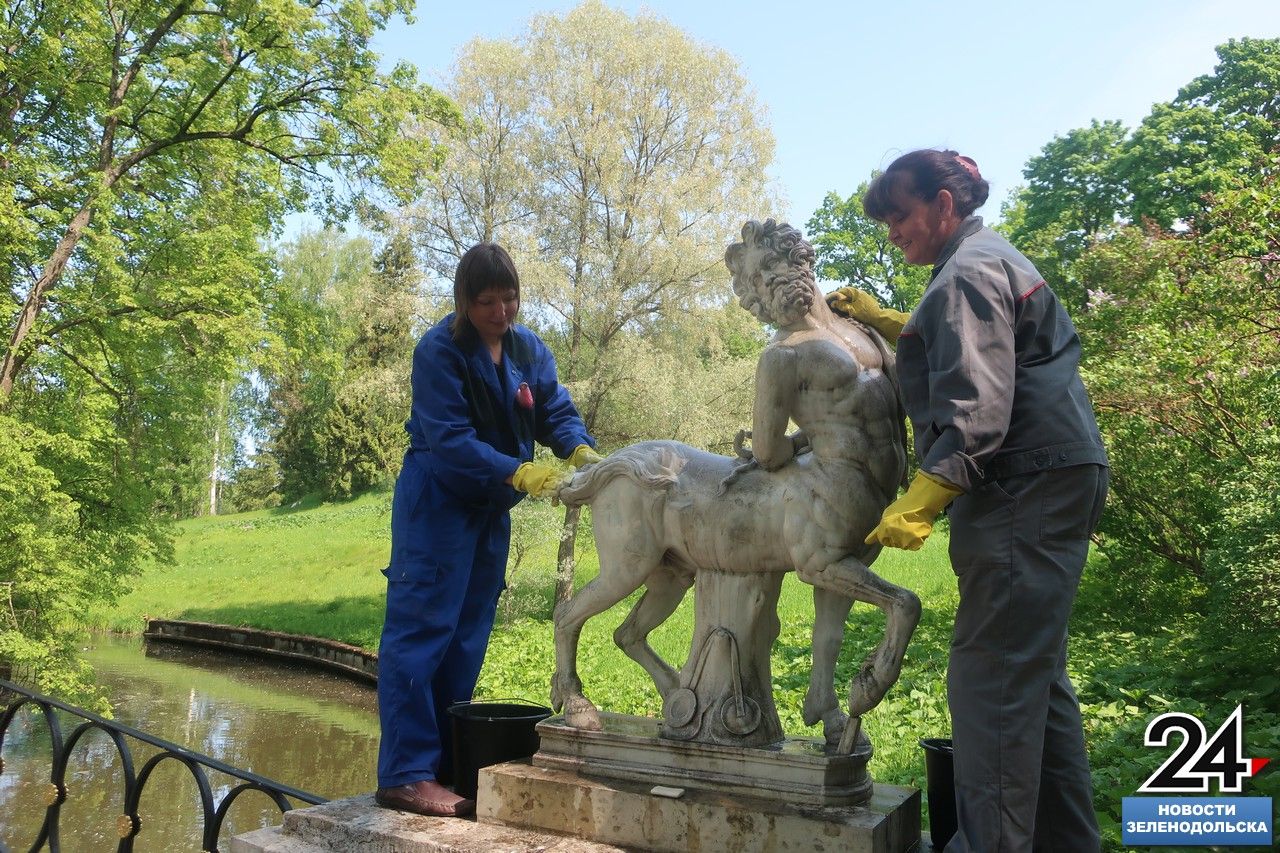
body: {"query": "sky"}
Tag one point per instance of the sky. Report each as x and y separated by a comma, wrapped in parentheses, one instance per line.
(847, 86)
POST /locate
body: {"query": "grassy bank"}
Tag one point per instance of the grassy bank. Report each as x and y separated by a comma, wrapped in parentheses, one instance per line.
(306, 570)
(315, 570)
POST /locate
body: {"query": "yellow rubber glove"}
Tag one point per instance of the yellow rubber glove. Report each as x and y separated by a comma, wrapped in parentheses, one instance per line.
(862, 306)
(584, 454)
(538, 479)
(907, 522)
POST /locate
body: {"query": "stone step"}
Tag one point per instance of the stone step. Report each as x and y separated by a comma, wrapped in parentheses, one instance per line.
(358, 824)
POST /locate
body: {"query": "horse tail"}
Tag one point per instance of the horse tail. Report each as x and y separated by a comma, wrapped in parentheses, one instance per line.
(652, 468)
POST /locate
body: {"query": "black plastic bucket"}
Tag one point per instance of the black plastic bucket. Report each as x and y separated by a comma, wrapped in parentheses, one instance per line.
(939, 771)
(491, 732)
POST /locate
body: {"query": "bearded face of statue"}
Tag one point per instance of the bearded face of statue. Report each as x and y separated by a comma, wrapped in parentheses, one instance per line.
(772, 273)
(790, 295)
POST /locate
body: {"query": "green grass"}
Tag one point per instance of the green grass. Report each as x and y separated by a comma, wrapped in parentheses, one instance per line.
(316, 570)
(311, 570)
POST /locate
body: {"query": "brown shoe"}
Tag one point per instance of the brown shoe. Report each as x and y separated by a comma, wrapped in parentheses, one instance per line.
(427, 797)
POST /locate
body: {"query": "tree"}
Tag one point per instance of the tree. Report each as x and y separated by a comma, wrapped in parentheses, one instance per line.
(337, 390)
(691, 381)
(1072, 197)
(49, 566)
(1218, 130)
(146, 153)
(852, 247)
(1071, 186)
(1183, 337)
(362, 436)
(319, 275)
(271, 96)
(489, 187)
(616, 159)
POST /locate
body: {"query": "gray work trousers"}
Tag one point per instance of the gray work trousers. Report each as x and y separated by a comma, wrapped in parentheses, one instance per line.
(1018, 547)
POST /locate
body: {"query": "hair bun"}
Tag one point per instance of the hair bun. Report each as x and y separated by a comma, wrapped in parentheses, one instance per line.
(970, 166)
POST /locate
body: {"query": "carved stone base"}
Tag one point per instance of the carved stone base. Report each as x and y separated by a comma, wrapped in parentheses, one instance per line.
(630, 816)
(797, 770)
(726, 689)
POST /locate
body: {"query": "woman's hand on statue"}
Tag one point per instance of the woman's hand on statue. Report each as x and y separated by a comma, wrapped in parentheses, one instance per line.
(584, 454)
(539, 479)
(863, 307)
(908, 521)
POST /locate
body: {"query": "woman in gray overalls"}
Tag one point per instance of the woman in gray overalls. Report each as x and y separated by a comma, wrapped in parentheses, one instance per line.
(988, 363)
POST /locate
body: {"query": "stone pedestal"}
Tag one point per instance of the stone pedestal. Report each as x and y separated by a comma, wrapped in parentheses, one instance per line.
(631, 816)
(794, 771)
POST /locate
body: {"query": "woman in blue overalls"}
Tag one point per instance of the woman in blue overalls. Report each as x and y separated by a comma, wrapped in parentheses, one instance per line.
(988, 363)
(484, 389)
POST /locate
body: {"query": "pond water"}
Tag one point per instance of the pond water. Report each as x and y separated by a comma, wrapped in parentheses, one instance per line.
(294, 725)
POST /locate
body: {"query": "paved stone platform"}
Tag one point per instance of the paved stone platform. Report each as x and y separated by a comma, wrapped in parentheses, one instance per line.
(358, 824)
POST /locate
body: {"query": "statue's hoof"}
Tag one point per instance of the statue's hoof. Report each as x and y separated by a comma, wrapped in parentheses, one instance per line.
(833, 722)
(853, 739)
(821, 708)
(865, 693)
(581, 714)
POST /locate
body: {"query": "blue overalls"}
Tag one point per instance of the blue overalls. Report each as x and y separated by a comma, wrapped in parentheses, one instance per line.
(450, 531)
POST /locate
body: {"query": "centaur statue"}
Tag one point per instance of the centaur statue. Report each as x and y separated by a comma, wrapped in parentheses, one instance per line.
(664, 513)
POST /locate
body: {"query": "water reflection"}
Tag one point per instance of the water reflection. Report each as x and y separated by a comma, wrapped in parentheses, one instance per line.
(310, 730)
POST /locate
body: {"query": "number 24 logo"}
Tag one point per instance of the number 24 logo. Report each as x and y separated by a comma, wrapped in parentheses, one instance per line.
(1198, 760)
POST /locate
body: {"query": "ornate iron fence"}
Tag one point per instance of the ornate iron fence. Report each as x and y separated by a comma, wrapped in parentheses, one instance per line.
(128, 824)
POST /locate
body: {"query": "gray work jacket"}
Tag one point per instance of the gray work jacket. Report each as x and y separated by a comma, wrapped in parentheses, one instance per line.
(988, 364)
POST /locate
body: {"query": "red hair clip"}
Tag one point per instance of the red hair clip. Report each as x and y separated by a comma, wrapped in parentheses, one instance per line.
(969, 166)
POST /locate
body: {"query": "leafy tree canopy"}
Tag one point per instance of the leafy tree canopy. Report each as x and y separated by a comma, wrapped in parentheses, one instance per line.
(125, 113)
(616, 158)
(1219, 129)
(1165, 243)
(337, 386)
(853, 248)
(147, 150)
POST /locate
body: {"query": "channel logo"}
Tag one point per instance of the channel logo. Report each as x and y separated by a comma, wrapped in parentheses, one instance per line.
(1197, 762)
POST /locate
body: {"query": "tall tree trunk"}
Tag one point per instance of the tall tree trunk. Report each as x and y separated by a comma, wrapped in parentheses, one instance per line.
(564, 555)
(219, 419)
(109, 173)
(565, 564)
(213, 471)
(36, 298)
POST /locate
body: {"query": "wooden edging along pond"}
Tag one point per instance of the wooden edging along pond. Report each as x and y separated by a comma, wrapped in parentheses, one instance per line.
(326, 654)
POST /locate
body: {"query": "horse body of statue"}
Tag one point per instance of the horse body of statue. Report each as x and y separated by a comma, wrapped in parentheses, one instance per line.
(663, 511)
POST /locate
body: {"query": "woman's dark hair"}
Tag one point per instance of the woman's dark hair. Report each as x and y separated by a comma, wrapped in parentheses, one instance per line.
(484, 266)
(921, 174)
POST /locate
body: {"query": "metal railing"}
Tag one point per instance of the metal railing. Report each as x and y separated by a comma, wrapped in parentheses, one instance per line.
(129, 824)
